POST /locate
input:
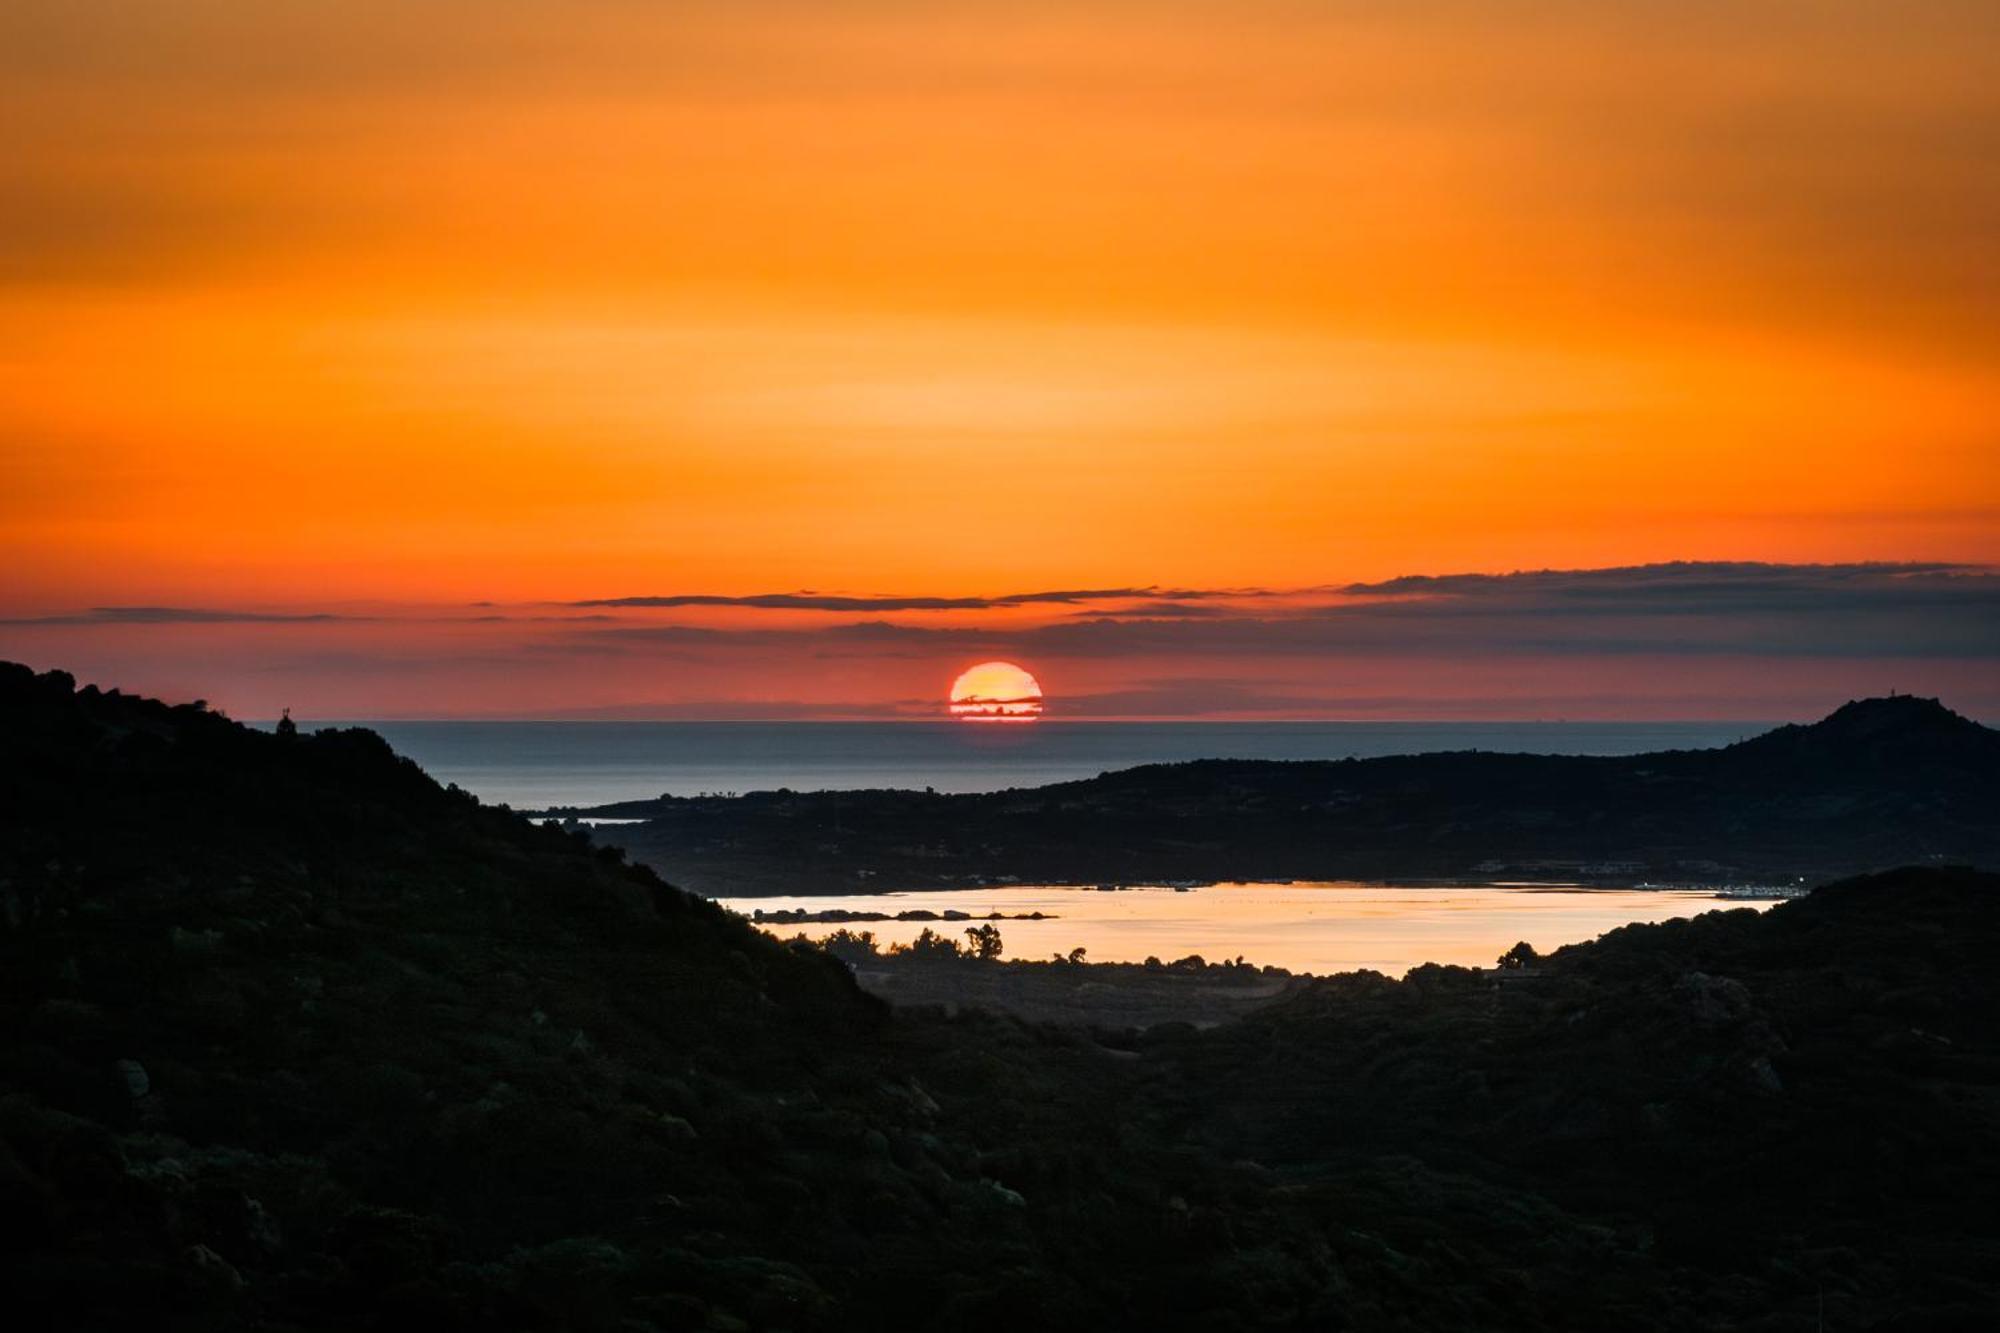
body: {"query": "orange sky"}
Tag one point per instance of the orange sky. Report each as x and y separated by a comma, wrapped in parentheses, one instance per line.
(521, 300)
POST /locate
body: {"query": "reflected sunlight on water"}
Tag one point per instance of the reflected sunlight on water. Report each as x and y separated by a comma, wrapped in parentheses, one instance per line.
(1303, 927)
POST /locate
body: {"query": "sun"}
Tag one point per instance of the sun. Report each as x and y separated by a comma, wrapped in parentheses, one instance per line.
(996, 692)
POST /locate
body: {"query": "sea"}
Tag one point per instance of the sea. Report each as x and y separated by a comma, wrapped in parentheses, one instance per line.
(537, 765)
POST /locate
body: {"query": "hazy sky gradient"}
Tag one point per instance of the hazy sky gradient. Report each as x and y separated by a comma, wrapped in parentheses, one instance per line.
(392, 306)
(1679, 641)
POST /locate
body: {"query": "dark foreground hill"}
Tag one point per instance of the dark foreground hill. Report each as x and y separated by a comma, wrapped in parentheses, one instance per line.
(297, 1039)
(1881, 782)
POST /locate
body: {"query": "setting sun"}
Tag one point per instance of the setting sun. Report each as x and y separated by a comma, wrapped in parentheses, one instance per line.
(996, 692)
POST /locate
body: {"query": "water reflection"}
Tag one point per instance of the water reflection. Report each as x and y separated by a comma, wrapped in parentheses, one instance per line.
(1304, 927)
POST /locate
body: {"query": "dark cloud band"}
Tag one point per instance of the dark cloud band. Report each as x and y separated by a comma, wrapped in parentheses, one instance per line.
(814, 601)
(1713, 609)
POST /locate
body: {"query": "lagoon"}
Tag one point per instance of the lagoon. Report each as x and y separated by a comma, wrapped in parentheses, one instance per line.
(1303, 927)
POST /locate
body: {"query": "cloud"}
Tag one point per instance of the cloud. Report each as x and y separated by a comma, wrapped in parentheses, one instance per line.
(498, 619)
(816, 601)
(1698, 586)
(1689, 608)
(177, 615)
(1178, 610)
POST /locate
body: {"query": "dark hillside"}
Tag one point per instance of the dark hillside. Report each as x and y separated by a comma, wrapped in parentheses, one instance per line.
(299, 1039)
(1812, 1091)
(1879, 783)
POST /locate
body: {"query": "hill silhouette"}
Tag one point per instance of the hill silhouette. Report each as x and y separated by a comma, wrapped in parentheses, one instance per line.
(300, 1040)
(1896, 729)
(1880, 782)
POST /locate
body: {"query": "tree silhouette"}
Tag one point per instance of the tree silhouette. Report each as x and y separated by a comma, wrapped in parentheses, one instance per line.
(851, 946)
(929, 944)
(985, 940)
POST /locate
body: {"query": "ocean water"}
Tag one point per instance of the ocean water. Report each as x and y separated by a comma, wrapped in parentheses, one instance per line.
(1302, 927)
(530, 765)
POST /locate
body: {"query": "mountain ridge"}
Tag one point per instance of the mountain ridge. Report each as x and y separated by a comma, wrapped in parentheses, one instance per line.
(1876, 783)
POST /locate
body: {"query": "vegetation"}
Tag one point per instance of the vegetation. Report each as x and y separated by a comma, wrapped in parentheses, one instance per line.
(300, 1040)
(987, 945)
